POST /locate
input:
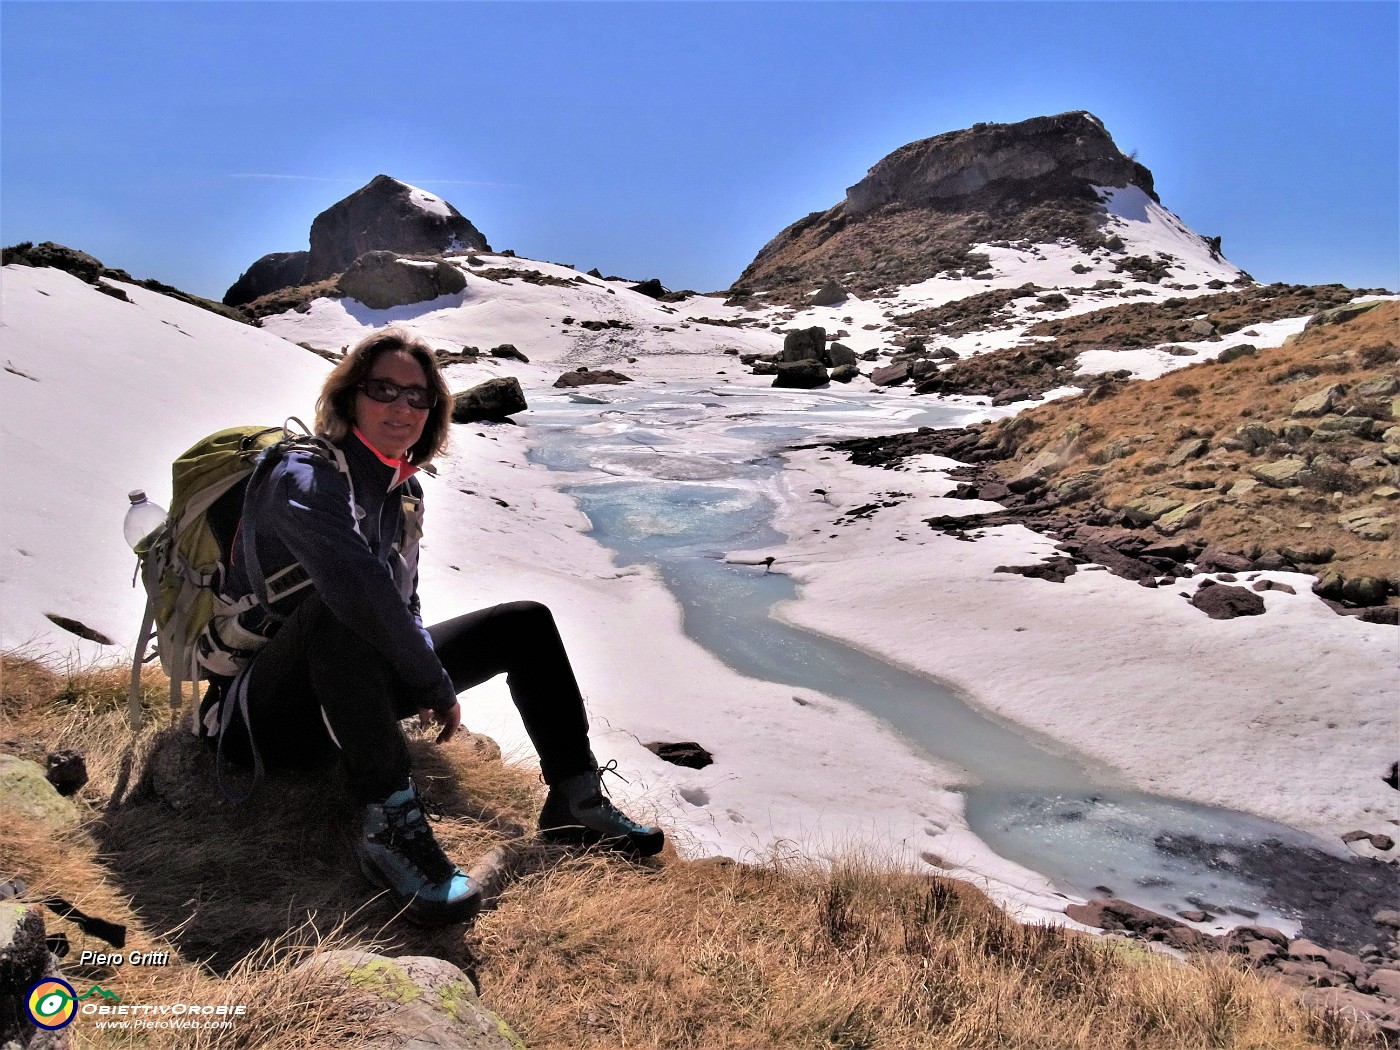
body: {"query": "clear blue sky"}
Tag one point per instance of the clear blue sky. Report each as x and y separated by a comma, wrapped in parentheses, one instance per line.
(183, 140)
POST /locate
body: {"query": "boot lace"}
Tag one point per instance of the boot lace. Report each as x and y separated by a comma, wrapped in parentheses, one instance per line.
(407, 832)
(604, 799)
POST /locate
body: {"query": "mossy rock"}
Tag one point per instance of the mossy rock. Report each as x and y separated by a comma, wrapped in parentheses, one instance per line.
(422, 1001)
(25, 790)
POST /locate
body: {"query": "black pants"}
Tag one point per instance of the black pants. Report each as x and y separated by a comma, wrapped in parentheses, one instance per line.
(317, 691)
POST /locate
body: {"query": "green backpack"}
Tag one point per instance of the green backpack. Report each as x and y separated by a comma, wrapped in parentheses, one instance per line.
(183, 563)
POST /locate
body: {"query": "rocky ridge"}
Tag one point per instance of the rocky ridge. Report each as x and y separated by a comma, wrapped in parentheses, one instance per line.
(384, 215)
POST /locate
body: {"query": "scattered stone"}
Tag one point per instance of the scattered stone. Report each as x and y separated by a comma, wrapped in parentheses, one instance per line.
(1056, 570)
(687, 753)
(585, 376)
(1224, 602)
(1112, 914)
(66, 770)
(1234, 353)
(1367, 523)
(1274, 585)
(1281, 474)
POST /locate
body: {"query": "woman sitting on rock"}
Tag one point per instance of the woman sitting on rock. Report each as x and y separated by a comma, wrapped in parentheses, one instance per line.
(328, 541)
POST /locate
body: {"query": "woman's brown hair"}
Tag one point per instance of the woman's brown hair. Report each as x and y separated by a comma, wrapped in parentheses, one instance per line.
(335, 408)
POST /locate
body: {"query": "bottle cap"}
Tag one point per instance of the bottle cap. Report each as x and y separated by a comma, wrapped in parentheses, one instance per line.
(136, 495)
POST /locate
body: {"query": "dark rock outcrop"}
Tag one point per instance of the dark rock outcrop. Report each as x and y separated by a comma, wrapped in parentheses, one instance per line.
(920, 209)
(382, 279)
(386, 215)
(269, 274)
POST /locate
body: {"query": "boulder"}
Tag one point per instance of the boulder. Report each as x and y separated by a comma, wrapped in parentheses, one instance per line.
(66, 770)
(1011, 396)
(27, 791)
(1224, 602)
(1186, 516)
(1254, 436)
(1234, 353)
(1367, 523)
(382, 280)
(1320, 402)
(1216, 559)
(1147, 508)
(838, 354)
(271, 273)
(494, 400)
(416, 1001)
(1280, 474)
(24, 959)
(829, 294)
(1341, 314)
(1192, 448)
(890, 375)
(808, 344)
(652, 288)
(844, 373)
(584, 376)
(1258, 944)
(802, 375)
(386, 215)
(508, 352)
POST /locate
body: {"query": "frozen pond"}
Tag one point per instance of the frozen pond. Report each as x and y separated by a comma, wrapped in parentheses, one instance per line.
(677, 479)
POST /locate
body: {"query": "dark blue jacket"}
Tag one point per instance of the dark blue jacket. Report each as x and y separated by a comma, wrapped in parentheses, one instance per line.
(359, 554)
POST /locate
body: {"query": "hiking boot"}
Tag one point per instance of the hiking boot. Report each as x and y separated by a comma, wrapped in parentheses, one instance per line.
(397, 852)
(577, 811)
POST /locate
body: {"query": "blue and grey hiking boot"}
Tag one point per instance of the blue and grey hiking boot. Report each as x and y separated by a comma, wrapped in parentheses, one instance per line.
(397, 852)
(577, 811)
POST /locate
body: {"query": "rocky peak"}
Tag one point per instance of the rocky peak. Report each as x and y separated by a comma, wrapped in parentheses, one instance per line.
(386, 215)
(1071, 147)
(921, 209)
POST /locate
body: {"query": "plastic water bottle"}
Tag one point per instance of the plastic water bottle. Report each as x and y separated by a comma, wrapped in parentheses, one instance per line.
(142, 518)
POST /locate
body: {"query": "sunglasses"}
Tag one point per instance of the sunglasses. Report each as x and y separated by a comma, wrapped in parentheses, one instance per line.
(386, 393)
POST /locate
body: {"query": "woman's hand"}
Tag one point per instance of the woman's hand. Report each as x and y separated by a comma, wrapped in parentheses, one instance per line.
(450, 720)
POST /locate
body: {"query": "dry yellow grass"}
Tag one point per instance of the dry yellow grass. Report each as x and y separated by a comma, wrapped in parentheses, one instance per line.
(582, 951)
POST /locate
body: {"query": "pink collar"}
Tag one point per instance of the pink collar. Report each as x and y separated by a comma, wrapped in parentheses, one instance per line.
(403, 469)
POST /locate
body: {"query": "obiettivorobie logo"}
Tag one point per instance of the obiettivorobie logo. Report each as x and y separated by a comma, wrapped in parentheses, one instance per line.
(52, 1003)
